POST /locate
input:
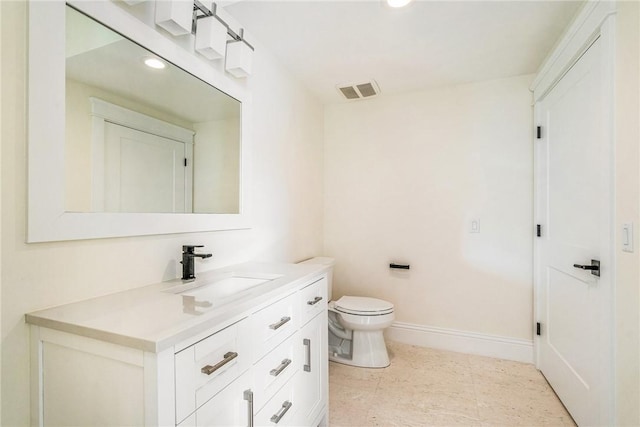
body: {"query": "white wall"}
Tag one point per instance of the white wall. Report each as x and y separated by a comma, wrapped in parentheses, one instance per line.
(287, 188)
(627, 188)
(405, 175)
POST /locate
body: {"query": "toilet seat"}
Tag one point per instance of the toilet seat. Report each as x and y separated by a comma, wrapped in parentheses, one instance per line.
(363, 306)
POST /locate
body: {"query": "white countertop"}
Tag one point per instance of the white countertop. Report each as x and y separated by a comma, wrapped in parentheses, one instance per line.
(153, 318)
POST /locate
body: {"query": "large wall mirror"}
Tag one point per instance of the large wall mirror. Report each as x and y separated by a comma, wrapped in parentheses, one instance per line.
(143, 135)
(119, 148)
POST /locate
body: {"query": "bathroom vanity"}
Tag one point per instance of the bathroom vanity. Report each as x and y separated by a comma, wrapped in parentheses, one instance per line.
(240, 346)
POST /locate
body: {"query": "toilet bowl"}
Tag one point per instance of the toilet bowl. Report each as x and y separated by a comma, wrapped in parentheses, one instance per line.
(356, 326)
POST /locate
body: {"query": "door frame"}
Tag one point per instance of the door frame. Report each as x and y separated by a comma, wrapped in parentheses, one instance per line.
(595, 20)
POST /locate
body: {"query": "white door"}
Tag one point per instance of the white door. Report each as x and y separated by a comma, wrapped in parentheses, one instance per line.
(573, 176)
(143, 172)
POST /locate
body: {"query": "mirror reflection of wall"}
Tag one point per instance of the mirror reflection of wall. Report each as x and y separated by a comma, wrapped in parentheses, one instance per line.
(113, 164)
(215, 167)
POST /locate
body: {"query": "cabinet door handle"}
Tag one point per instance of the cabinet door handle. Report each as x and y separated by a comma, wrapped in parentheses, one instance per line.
(282, 321)
(278, 416)
(307, 365)
(314, 301)
(248, 396)
(228, 357)
(275, 372)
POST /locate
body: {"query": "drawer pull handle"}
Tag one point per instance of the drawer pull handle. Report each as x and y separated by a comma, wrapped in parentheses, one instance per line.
(315, 301)
(307, 365)
(228, 357)
(248, 396)
(285, 407)
(279, 369)
(282, 321)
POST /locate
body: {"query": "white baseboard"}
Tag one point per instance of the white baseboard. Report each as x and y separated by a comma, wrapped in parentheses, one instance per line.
(461, 341)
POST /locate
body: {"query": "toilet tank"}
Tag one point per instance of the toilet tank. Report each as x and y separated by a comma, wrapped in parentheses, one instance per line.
(329, 262)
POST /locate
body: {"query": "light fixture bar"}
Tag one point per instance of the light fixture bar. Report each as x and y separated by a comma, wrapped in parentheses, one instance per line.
(199, 7)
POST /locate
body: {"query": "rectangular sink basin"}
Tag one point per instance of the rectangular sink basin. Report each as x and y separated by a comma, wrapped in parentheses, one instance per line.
(223, 286)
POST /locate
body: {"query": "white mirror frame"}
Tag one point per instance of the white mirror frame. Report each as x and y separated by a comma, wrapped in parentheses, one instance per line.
(47, 218)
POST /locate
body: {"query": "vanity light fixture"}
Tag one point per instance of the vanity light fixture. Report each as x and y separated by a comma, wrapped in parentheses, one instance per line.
(239, 53)
(154, 63)
(398, 3)
(211, 35)
(175, 16)
(181, 17)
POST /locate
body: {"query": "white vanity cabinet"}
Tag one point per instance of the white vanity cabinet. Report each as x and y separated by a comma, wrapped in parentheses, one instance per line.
(302, 401)
(312, 391)
(290, 369)
(263, 365)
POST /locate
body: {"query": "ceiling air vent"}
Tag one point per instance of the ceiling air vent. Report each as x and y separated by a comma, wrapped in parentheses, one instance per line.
(359, 90)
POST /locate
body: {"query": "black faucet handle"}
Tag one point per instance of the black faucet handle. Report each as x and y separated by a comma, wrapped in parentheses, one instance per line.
(188, 249)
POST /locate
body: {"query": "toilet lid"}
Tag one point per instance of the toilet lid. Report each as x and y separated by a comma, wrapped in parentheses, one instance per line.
(363, 306)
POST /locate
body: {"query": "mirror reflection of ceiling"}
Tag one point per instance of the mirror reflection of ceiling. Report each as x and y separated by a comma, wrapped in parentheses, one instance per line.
(102, 58)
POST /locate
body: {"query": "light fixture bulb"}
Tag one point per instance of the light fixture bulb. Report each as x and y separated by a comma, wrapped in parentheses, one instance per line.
(154, 63)
(398, 3)
(211, 38)
(239, 59)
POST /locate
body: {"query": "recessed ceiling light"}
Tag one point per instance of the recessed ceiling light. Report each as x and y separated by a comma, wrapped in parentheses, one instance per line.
(398, 3)
(154, 63)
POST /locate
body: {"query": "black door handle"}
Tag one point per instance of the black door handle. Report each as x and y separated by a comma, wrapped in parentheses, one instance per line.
(594, 267)
(587, 267)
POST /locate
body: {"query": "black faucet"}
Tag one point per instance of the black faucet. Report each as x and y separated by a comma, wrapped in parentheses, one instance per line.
(188, 265)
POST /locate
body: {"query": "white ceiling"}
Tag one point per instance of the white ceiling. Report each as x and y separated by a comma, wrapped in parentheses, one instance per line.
(427, 44)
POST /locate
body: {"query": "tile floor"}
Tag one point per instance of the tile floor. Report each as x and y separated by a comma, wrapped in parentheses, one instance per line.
(427, 387)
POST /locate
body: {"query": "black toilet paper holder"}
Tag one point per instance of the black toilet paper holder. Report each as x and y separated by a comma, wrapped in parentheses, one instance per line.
(399, 266)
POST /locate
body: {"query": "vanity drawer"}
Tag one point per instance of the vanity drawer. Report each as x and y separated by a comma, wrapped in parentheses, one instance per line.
(312, 300)
(206, 367)
(274, 370)
(281, 409)
(273, 324)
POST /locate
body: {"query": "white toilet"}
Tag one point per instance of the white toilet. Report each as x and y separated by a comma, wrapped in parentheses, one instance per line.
(356, 327)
